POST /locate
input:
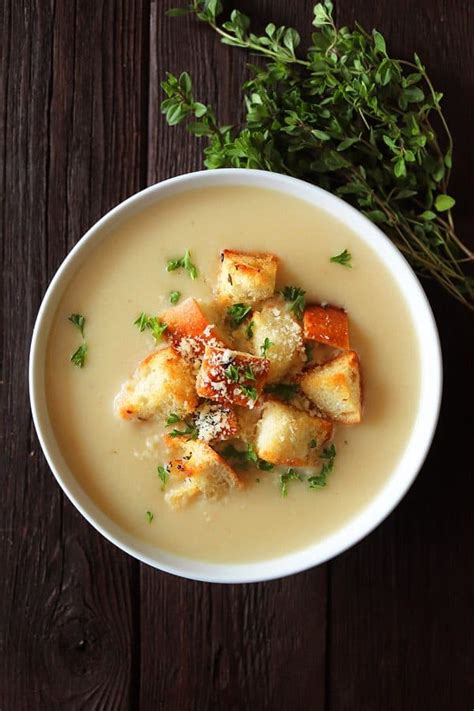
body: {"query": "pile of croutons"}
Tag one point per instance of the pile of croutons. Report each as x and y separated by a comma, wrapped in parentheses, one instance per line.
(249, 379)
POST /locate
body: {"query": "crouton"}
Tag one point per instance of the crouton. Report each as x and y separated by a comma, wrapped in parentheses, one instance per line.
(328, 325)
(189, 329)
(197, 469)
(275, 326)
(335, 388)
(162, 383)
(231, 377)
(246, 277)
(289, 436)
(247, 423)
(214, 422)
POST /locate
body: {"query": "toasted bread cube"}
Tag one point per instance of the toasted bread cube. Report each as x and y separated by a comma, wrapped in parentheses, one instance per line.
(215, 422)
(289, 436)
(247, 422)
(162, 383)
(335, 388)
(231, 377)
(180, 495)
(189, 329)
(286, 352)
(246, 277)
(197, 469)
(328, 325)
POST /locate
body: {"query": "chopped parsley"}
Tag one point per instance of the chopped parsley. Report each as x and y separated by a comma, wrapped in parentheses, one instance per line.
(248, 373)
(149, 516)
(164, 475)
(243, 457)
(183, 263)
(190, 431)
(308, 349)
(319, 481)
(79, 356)
(232, 373)
(174, 297)
(285, 478)
(265, 347)
(251, 454)
(284, 391)
(249, 329)
(79, 322)
(150, 323)
(295, 296)
(238, 313)
(189, 428)
(313, 444)
(344, 259)
(264, 465)
(249, 392)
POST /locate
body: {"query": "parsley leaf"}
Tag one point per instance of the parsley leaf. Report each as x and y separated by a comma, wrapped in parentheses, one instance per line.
(232, 373)
(184, 263)
(79, 356)
(172, 419)
(285, 478)
(150, 323)
(243, 457)
(265, 347)
(79, 322)
(319, 480)
(308, 349)
(284, 391)
(238, 313)
(251, 454)
(149, 516)
(164, 475)
(249, 330)
(295, 296)
(174, 297)
(249, 392)
(313, 444)
(344, 259)
(189, 429)
(248, 373)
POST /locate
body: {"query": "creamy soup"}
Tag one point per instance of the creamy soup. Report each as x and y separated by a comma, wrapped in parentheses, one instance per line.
(116, 461)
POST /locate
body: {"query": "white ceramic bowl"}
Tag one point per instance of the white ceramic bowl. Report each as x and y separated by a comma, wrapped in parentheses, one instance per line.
(398, 481)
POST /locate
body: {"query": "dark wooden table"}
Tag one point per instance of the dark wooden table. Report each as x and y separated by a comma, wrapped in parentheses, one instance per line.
(389, 625)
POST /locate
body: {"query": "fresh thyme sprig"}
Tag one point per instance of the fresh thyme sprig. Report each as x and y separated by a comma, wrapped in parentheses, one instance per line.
(347, 117)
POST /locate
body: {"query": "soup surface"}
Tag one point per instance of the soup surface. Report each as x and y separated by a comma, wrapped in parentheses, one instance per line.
(116, 461)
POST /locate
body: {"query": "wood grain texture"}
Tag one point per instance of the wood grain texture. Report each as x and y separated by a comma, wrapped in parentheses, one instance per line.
(402, 638)
(74, 77)
(388, 625)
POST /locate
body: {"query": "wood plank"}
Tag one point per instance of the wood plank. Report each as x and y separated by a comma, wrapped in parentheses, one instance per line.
(72, 118)
(207, 646)
(401, 601)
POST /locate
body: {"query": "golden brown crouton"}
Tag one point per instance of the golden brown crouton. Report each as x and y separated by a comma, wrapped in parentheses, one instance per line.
(328, 325)
(275, 327)
(335, 388)
(162, 383)
(215, 422)
(189, 329)
(246, 277)
(197, 469)
(289, 436)
(231, 377)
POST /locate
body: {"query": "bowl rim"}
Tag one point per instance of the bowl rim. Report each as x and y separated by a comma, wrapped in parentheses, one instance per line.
(398, 481)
